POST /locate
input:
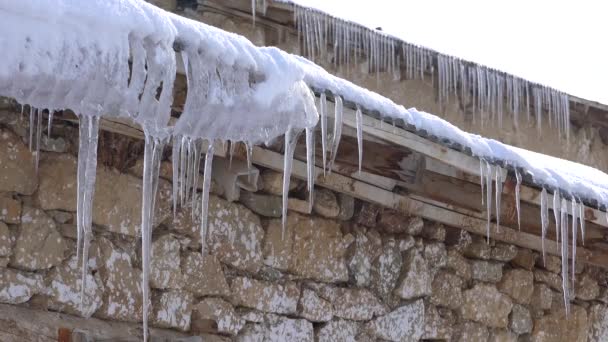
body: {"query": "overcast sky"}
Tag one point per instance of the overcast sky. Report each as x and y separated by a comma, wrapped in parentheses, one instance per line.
(563, 45)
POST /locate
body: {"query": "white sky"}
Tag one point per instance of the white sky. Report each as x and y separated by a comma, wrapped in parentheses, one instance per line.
(559, 44)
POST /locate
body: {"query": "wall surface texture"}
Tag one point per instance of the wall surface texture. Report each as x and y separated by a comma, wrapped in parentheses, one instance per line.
(350, 271)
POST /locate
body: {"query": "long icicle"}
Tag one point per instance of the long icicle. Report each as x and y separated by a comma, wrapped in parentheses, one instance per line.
(574, 206)
(152, 154)
(481, 179)
(488, 198)
(564, 228)
(175, 165)
(38, 138)
(339, 107)
(310, 164)
(205, 196)
(544, 219)
(91, 132)
(323, 117)
(581, 217)
(498, 193)
(359, 119)
(556, 207)
(517, 198)
(291, 139)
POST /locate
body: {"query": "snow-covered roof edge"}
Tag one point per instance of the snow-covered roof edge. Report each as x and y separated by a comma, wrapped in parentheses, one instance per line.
(483, 86)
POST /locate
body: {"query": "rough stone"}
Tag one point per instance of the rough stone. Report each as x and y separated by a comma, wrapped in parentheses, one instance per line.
(356, 304)
(553, 280)
(61, 217)
(64, 286)
(484, 304)
(338, 330)
(265, 296)
(552, 263)
(314, 308)
(282, 329)
(458, 239)
(326, 203)
(559, 327)
(172, 309)
(478, 249)
(406, 243)
(406, 323)
(17, 169)
(18, 287)
(368, 215)
(598, 323)
(273, 182)
(214, 315)
(447, 290)
(525, 258)
(434, 231)
(361, 255)
(415, 280)
(10, 209)
(542, 297)
(470, 331)
(503, 252)
(395, 223)
(262, 204)
(586, 288)
(459, 264)
(518, 284)
(122, 297)
(487, 271)
(165, 272)
(520, 320)
(312, 247)
(385, 270)
(347, 207)
(5, 241)
(436, 327)
(503, 335)
(436, 255)
(205, 276)
(234, 235)
(38, 245)
(117, 202)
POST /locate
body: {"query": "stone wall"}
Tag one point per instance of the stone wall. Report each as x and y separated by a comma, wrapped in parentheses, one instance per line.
(586, 145)
(349, 271)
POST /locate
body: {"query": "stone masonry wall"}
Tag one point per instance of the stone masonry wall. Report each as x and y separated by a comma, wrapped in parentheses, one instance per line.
(351, 271)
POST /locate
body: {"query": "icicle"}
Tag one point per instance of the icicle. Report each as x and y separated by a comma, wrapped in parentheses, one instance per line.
(253, 5)
(175, 164)
(556, 207)
(291, 139)
(50, 123)
(182, 171)
(488, 197)
(232, 150)
(574, 206)
(359, 117)
(337, 131)
(32, 118)
(87, 169)
(564, 231)
(38, 138)
(249, 153)
(310, 164)
(498, 195)
(544, 219)
(323, 117)
(152, 155)
(198, 149)
(517, 198)
(581, 217)
(205, 196)
(481, 179)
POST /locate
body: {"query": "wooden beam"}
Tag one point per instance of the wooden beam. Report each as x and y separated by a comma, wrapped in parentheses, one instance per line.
(410, 206)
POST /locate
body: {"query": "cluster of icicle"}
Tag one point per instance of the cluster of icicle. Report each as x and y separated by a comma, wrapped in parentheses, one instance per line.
(565, 228)
(236, 93)
(490, 92)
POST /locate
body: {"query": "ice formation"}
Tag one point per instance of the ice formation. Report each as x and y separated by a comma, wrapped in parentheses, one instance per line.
(67, 56)
(489, 91)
